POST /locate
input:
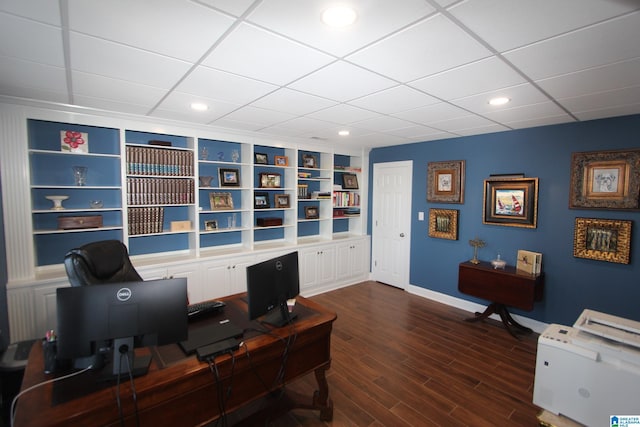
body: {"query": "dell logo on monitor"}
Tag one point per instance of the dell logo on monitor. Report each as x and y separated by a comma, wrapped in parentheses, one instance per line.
(279, 265)
(123, 294)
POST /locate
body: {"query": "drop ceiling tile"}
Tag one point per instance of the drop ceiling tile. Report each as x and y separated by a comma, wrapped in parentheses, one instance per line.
(110, 105)
(603, 100)
(235, 7)
(258, 116)
(616, 111)
(343, 114)
(466, 122)
(383, 124)
(481, 76)
(179, 29)
(489, 128)
(432, 113)
(419, 50)
(93, 86)
(29, 40)
(265, 56)
(209, 83)
(342, 82)
(121, 62)
(507, 24)
(540, 121)
(180, 103)
(527, 112)
(301, 20)
(393, 100)
(18, 73)
(590, 47)
(237, 124)
(46, 11)
(414, 132)
(598, 79)
(519, 95)
(304, 125)
(292, 101)
(374, 140)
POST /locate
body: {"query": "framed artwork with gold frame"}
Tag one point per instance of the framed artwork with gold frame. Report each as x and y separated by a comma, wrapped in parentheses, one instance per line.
(220, 201)
(605, 180)
(602, 239)
(443, 223)
(511, 202)
(445, 181)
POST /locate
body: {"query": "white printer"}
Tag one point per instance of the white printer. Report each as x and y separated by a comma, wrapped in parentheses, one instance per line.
(590, 371)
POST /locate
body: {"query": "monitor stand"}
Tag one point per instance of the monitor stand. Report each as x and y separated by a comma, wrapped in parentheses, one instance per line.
(279, 317)
(123, 351)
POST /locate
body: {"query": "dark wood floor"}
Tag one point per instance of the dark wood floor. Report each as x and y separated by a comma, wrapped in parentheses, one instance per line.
(403, 360)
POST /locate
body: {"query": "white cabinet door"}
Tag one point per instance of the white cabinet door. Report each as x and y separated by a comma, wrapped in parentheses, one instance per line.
(317, 266)
(191, 271)
(352, 259)
(225, 277)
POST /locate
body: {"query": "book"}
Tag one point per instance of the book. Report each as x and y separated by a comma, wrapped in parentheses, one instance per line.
(529, 262)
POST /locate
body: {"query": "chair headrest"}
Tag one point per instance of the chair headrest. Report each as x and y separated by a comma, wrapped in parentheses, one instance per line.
(103, 258)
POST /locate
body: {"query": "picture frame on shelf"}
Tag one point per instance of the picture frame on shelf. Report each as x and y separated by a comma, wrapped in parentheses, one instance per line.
(309, 161)
(261, 200)
(445, 181)
(311, 212)
(602, 239)
(511, 202)
(74, 142)
(261, 159)
(220, 201)
(211, 225)
(229, 177)
(282, 201)
(605, 180)
(349, 181)
(443, 223)
(270, 180)
(281, 161)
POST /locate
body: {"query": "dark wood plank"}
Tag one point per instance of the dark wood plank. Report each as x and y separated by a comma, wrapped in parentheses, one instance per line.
(400, 359)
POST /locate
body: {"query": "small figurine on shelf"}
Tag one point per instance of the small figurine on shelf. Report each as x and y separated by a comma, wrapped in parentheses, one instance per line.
(221, 156)
(204, 153)
(476, 243)
(235, 156)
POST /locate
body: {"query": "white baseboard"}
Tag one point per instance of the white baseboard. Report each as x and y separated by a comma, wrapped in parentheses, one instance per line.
(472, 307)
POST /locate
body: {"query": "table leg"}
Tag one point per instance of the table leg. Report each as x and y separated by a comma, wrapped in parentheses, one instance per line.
(509, 322)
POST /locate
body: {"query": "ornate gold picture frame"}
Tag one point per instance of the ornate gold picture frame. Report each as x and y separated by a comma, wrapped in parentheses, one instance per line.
(443, 223)
(605, 180)
(602, 239)
(511, 202)
(445, 181)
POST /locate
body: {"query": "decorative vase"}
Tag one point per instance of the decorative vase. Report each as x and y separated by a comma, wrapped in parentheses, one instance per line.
(80, 175)
(205, 181)
(57, 201)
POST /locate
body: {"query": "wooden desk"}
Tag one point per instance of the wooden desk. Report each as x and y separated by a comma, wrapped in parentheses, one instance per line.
(503, 287)
(180, 390)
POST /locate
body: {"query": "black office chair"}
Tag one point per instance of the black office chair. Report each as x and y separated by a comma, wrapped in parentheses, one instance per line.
(100, 262)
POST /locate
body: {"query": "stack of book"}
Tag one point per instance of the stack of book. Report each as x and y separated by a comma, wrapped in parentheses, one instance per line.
(321, 195)
(159, 161)
(160, 191)
(145, 220)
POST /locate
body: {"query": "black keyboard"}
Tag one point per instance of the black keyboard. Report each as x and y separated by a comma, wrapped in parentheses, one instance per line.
(201, 308)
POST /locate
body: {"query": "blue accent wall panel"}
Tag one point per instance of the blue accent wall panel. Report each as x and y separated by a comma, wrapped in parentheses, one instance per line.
(571, 284)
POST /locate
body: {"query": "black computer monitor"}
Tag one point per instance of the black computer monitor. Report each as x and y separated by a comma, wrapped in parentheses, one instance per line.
(101, 324)
(269, 285)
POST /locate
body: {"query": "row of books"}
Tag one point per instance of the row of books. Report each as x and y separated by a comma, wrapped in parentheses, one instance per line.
(345, 198)
(347, 168)
(160, 191)
(145, 220)
(159, 161)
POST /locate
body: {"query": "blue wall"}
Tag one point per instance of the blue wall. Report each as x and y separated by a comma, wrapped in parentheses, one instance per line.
(571, 284)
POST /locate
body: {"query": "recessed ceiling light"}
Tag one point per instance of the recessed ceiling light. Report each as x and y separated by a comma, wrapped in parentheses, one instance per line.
(501, 100)
(199, 106)
(344, 133)
(339, 16)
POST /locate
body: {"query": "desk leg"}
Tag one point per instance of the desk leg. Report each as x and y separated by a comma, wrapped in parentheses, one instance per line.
(321, 397)
(509, 322)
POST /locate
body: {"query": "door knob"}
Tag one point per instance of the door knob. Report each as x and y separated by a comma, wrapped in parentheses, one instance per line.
(401, 234)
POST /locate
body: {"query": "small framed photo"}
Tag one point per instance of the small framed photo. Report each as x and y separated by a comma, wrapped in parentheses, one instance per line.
(349, 181)
(281, 161)
(229, 177)
(443, 223)
(261, 159)
(311, 212)
(511, 202)
(445, 182)
(270, 180)
(602, 239)
(74, 142)
(220, 201)
(211, 225)
(605, 180)
(309, 161)
(282, 200)
(261, 200)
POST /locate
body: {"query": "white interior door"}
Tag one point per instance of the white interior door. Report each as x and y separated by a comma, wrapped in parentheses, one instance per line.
(391, 223)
